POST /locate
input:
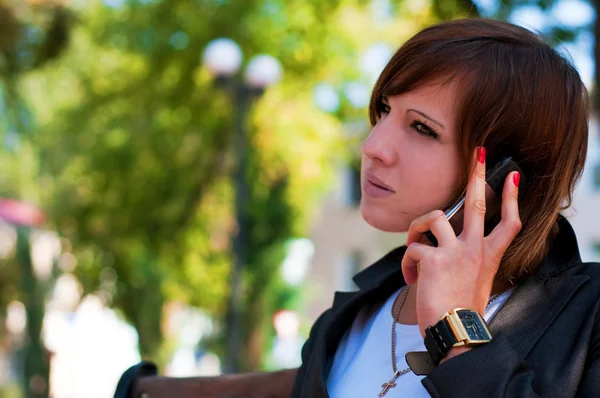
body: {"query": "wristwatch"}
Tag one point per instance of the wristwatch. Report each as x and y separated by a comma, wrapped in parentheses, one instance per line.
(459, 327)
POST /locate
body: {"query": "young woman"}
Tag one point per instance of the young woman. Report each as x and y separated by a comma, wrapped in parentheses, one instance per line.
(504, 307)
(456, 96)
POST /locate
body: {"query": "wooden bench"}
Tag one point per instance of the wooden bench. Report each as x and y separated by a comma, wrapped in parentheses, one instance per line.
(244, 385)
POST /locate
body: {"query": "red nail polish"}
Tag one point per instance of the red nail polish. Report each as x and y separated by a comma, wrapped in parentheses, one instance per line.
(481, 157)
(517, 178)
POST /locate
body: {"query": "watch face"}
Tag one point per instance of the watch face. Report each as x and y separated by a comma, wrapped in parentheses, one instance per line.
(473, 324)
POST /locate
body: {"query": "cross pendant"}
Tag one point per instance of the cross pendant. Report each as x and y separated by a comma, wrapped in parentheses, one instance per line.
(386, 386)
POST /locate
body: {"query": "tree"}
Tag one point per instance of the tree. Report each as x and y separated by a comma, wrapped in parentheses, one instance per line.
(137, 145)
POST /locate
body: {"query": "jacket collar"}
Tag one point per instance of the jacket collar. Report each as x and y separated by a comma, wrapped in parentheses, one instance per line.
(539, 299)
(385, 271)
(563, 252)
(380, 271)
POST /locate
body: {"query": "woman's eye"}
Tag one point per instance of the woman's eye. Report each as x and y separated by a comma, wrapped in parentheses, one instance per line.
(423, 129)
(384, 108)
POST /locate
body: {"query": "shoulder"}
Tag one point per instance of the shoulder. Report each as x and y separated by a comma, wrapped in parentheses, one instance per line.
(588, 294)
(592, 271)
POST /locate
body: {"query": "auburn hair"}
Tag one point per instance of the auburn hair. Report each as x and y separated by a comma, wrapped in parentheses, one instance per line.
(518, 97)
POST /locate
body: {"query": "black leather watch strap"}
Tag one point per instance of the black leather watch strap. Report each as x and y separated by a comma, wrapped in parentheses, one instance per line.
(420, 362)
(439, 339)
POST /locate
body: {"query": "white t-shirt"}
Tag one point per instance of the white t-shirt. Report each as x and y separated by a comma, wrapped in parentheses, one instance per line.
(363, 362)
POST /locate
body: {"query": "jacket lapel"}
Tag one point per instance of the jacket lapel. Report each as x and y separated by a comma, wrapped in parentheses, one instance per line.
(340, 321)
(537, 302)
(386, 271)
(374, 282)
(532, 308)
(340, 299)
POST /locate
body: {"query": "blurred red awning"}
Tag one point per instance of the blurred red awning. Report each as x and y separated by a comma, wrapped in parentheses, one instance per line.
(21, 213)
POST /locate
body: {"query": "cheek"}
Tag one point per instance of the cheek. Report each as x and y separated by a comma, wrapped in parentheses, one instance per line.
(429, 181)
(427, 170)
(439, 177)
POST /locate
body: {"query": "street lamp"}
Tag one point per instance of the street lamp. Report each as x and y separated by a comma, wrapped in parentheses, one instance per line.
(223, 58)
(262, 71)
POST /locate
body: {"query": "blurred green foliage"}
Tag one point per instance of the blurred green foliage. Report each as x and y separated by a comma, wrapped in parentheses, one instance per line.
(10, 391)
(135, 150)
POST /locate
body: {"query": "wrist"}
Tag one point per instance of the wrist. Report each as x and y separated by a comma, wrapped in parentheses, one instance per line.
(457, 332)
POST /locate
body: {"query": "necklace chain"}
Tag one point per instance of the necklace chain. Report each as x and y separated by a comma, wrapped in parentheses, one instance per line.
(396, 315)
(392, 383)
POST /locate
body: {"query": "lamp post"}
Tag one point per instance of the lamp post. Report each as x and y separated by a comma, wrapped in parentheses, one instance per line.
(223, 58)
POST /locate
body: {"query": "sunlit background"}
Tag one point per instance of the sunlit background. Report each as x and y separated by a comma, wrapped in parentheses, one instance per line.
(179, 178)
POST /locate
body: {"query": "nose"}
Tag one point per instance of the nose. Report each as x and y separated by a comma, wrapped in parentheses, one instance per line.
(378, 146)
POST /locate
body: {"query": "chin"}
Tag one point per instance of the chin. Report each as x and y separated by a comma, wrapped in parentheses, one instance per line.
(381, 219)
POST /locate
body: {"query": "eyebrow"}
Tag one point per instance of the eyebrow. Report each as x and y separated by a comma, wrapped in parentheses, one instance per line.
(426, 117)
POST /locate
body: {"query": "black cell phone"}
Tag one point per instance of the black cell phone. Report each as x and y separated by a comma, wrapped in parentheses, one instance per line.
(494, 178)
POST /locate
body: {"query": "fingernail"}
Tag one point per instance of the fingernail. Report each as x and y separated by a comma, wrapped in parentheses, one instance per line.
(516, 178)
(481, 157)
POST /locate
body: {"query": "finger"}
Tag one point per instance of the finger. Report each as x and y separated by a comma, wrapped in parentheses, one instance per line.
(510, 225)
(475, 199)
(414, 253)
(437, 223)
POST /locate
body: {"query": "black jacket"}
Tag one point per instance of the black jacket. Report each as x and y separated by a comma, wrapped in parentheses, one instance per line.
(546, 337)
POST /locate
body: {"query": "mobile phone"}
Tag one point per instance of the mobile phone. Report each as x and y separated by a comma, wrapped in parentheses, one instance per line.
(494, 178)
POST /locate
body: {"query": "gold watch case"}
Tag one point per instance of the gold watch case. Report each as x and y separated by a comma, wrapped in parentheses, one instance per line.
(468, 326)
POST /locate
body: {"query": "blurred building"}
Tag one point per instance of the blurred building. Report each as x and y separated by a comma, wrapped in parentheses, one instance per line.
(92, 348)
(345, 243)
(585, 212)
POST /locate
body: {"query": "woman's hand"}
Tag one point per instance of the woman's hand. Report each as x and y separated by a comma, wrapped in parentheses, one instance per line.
(460, 271)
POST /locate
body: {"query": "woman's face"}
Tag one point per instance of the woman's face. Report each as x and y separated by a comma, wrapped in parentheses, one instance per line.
(409, 160)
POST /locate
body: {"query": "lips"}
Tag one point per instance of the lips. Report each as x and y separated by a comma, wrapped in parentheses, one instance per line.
(377, 182)
(375, 188)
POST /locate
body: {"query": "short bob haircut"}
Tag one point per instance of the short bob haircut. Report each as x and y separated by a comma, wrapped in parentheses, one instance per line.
(518, 97)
